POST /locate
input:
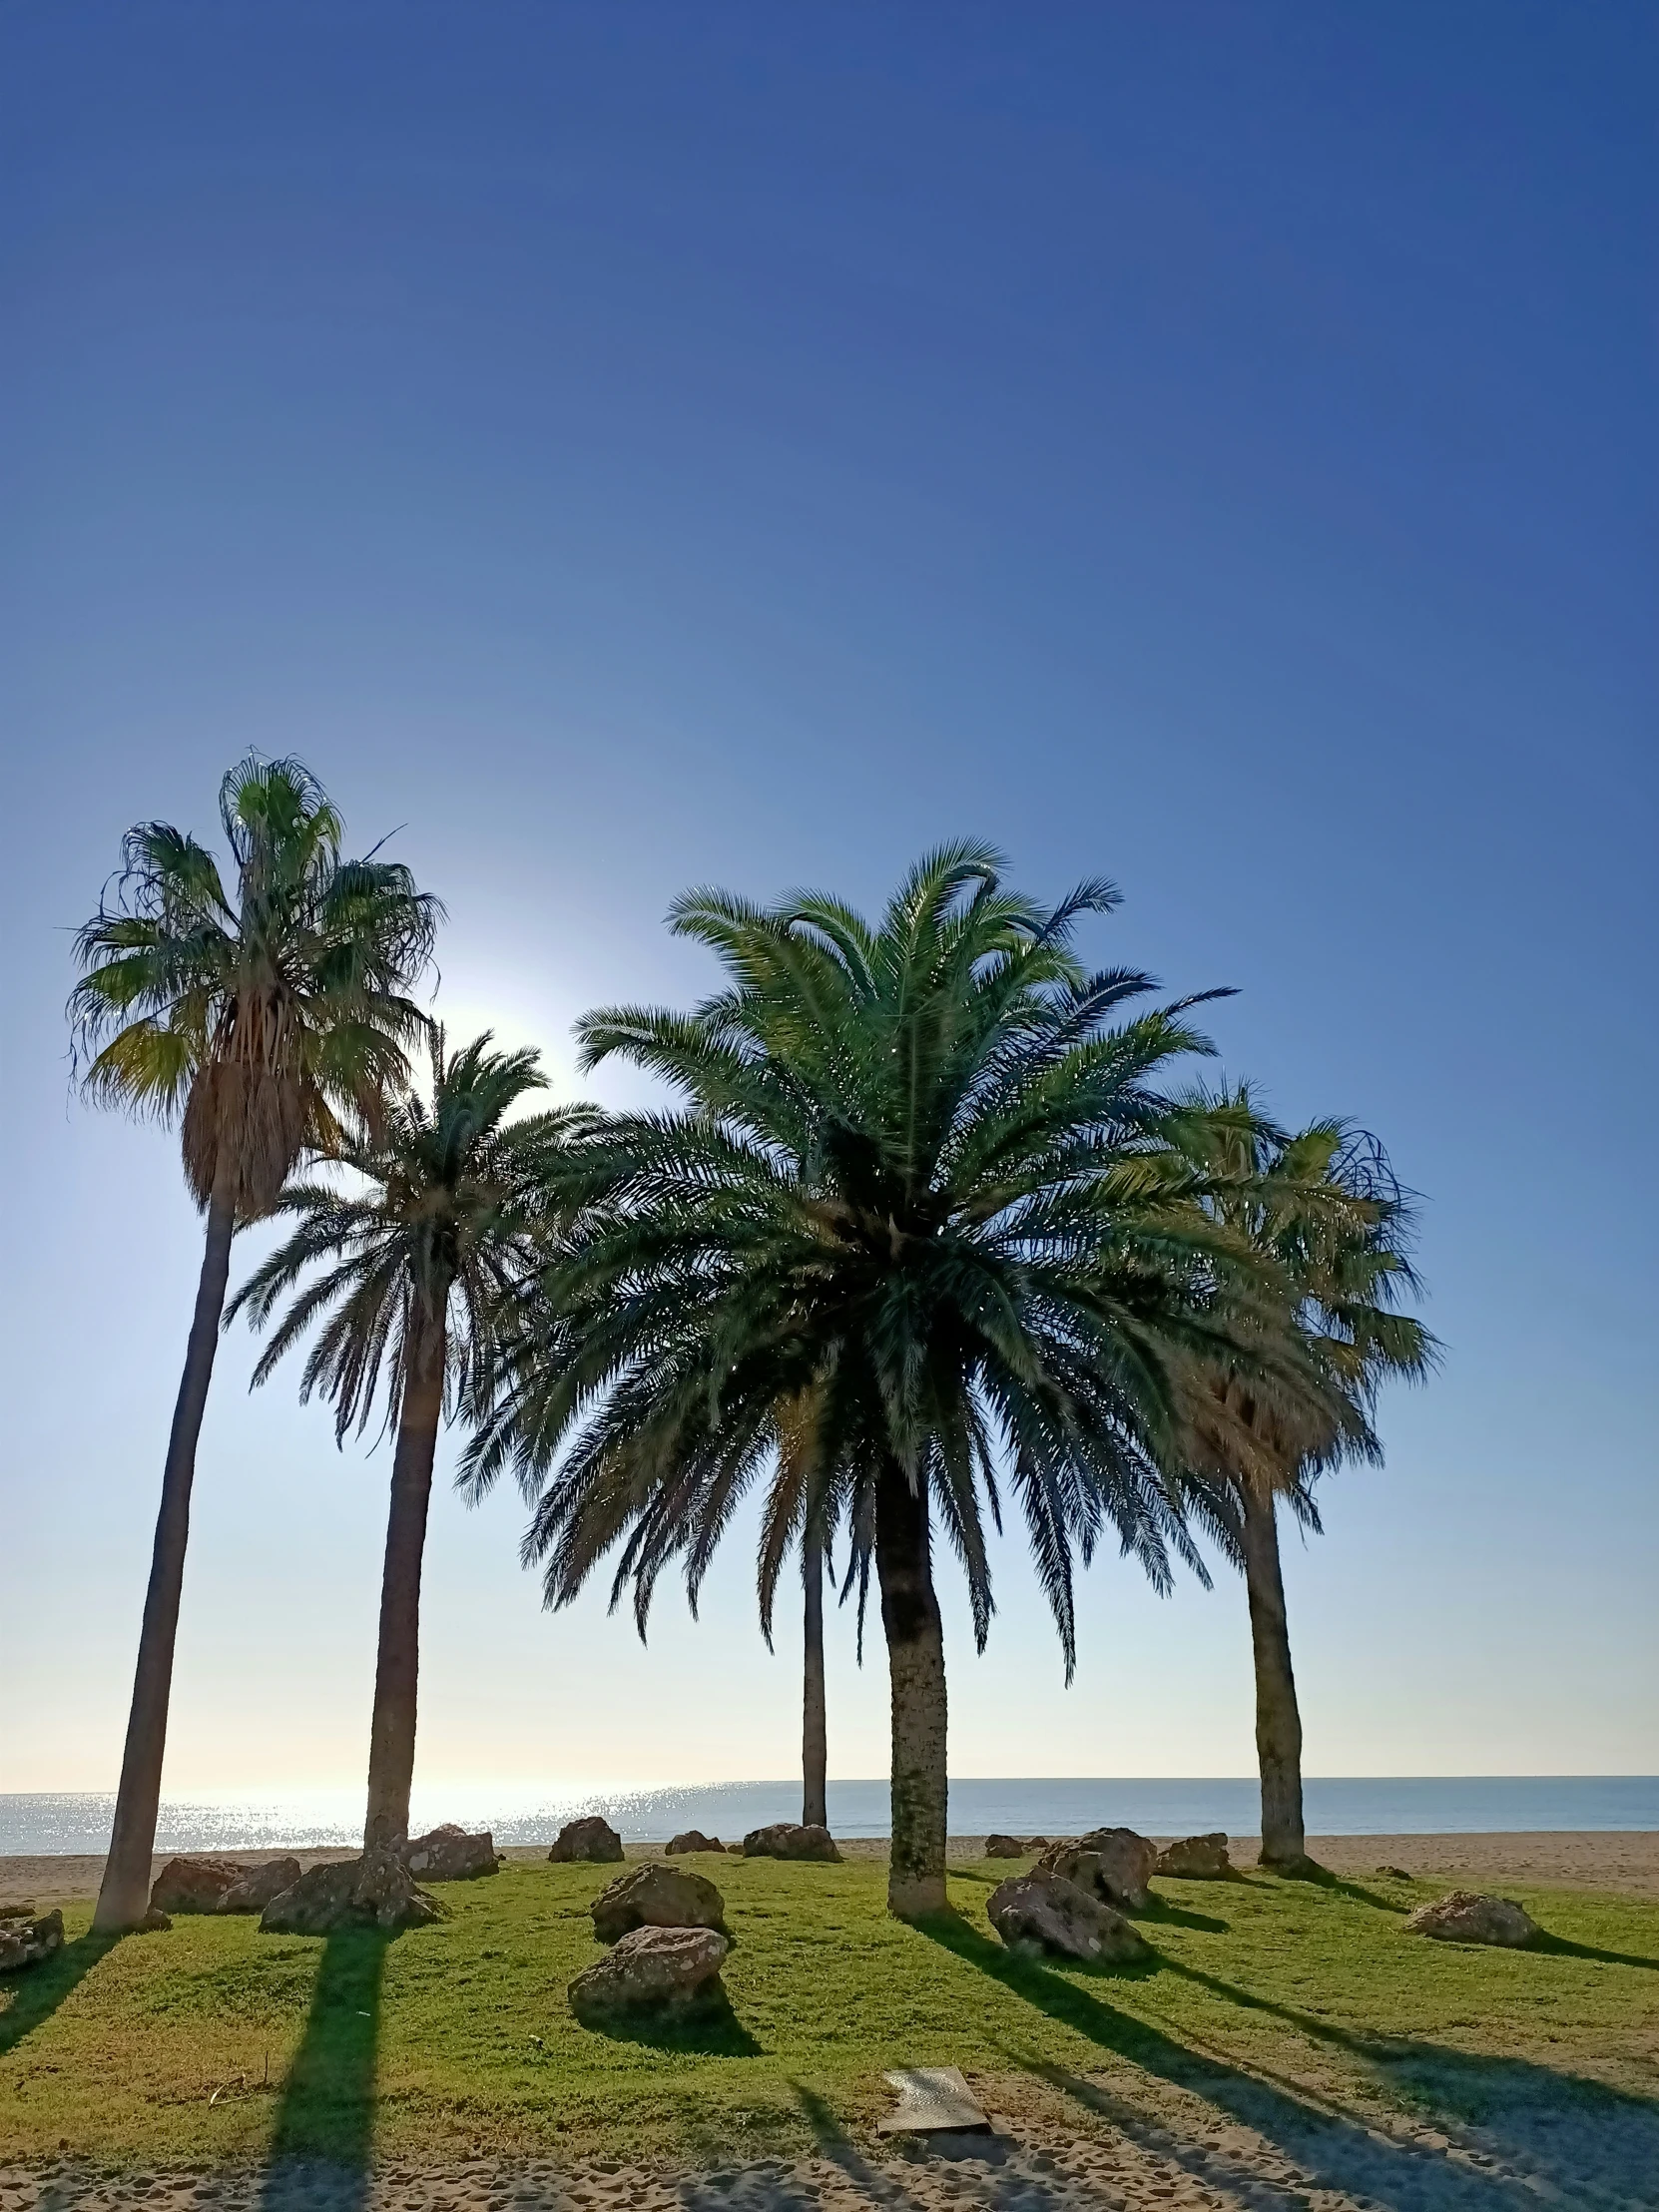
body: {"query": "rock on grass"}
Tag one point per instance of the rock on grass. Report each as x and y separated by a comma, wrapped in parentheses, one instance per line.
(662, 1972)
(656, 1896)
(1043, 1911)
(591, 1838)
(377, 1891)
(1467, 1917)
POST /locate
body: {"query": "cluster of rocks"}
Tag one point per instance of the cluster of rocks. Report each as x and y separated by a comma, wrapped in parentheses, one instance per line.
(221, 1884)
(669, 1942)
(379, 1890)
(27, 1937)
(1073, 1902)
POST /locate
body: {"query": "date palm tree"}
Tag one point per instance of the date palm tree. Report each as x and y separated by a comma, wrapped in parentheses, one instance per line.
(399, 1276)
(251, 1012)
(920, 1178)
(1324, 1207)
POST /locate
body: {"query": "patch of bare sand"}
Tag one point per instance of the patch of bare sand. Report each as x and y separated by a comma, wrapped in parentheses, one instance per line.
(1112, 2141)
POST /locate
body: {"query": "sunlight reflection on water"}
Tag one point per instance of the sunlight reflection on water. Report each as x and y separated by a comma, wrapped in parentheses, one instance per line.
(80, 1821)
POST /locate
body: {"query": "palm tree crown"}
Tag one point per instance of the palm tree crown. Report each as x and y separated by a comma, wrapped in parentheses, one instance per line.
(1322, 1205)
(918, 1229)
(440, 1225)
(259, 1010)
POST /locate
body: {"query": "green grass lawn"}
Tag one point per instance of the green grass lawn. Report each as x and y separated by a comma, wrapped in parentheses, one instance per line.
(216, 2043)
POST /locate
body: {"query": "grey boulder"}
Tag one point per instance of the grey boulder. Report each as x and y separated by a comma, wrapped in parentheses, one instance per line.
(27, 1936)
(656, 1970)
(1004, 1846)
(377, 1891)
(591, 1838)
(655, 1896)
(258, 1884)
(1115, 1862)
(1467, 1917)
(449, 1854)
(693, 1839)
(1042, 1912)
(789, 1840)
(1196, 1859)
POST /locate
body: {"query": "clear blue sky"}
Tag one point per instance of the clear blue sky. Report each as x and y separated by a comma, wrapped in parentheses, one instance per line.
(621, 446)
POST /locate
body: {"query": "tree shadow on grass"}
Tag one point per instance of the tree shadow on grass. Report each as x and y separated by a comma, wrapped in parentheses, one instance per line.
(1180, 1915)
(37, 1992)
(1313, 1876)
(1335, 2149)
(1559, 1946)
(323, 2136)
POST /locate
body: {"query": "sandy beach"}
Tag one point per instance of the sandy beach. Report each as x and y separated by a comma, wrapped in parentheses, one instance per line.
(1623, 1859)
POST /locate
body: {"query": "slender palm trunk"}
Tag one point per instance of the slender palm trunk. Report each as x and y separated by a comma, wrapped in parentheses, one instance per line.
(123, 1898)
(1278, 1717)
(391, 1741)
(915, 1666)
(814, 1747)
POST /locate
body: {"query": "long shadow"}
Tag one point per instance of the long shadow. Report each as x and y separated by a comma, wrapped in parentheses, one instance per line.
(1314, 1876)
(1487, 2081)
(37, 1992)
(1560, 1947)
(324, 2125)
(999, 2170)
(1334, 2150)
(711, 2031)
(1181, 1916)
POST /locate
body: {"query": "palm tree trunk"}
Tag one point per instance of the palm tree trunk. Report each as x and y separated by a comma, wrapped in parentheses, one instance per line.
(391, 1739)
(814, 1746)
(124, 1895)
(915, 1666)
(1278, 1717)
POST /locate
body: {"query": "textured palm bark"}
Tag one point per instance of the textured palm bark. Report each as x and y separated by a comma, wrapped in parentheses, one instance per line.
(124, 1897)
(915, 1667)
(813, 1730)
(391, 1741)
(1278, 1716)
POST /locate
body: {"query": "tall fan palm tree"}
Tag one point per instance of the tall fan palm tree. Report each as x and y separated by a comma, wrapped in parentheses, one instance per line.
(920, 1182)
(403, 1278)
(253, 1014)
(1324, 1207)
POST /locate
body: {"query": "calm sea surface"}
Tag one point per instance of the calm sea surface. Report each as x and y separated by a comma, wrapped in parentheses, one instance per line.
(1391, 1807)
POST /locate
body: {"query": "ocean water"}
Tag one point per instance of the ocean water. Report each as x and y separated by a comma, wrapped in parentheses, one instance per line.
(1388, 1806)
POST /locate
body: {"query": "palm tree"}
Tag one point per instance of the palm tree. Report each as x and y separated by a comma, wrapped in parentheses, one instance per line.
(921, 1182)
(1324, 1208)
(403, 1278)
(253, 1016)
(797, 1442)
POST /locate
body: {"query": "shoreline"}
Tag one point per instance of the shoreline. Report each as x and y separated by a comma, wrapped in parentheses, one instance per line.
(1625, 1860)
